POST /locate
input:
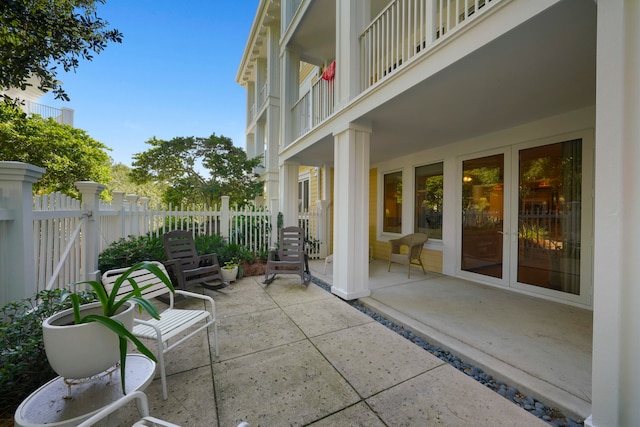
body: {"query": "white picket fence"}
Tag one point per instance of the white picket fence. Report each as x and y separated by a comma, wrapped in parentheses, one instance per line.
(52, 240)
(59, 243)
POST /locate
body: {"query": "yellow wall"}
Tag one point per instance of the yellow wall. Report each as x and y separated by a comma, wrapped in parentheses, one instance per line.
(432, 259)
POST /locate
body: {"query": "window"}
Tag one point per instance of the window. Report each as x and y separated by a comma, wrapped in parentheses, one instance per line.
(392, 203)
(428, 214)
(303, 195)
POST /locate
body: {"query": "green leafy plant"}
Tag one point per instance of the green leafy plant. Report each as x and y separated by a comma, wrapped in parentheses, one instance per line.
(111, 303)
(230, 265)
(129, 251)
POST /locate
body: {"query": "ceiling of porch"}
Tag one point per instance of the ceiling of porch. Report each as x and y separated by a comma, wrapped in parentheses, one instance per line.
(544, 67)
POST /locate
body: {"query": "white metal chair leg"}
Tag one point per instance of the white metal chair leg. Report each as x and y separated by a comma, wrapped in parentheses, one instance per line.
(163, 375)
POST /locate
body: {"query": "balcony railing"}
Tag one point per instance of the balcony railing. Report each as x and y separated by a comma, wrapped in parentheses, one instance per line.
(61, 115)
(313, 108)
(406, 28)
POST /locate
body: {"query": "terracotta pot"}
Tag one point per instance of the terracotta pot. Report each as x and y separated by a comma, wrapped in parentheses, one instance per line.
(81, 351)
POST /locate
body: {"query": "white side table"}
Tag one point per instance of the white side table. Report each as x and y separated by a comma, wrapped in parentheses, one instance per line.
(49, 406)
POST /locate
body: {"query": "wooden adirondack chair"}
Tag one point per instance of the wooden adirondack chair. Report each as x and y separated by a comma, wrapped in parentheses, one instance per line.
(290, 258)
(186, 267)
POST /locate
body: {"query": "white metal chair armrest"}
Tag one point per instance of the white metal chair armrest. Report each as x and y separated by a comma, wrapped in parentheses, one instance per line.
(143, 408)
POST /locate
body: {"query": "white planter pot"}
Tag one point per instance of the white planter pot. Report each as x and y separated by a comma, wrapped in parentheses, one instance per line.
(229, 275)
(81, 351)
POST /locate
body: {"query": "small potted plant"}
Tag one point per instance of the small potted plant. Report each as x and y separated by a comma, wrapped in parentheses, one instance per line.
(88, 339)
(230, 270)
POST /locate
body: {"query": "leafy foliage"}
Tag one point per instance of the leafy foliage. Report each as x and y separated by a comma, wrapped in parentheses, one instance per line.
(23, 361)
(129, 251)
(68, 154)
(38, 36)
(121, 181)
(179, 162)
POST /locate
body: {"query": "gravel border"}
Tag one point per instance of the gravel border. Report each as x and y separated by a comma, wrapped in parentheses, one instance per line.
(551, 415)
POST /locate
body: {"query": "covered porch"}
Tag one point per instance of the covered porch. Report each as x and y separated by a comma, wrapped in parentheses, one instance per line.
(541, 347)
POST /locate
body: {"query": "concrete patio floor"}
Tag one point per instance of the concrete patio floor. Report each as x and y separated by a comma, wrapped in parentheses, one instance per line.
(543, 348)
(298, 356)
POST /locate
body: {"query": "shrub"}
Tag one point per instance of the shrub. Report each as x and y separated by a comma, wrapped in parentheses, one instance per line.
(236, 253)
(23, 362)
(129, 251)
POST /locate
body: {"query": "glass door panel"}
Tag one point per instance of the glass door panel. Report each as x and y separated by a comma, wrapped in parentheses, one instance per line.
(549, 213)
(483, 215)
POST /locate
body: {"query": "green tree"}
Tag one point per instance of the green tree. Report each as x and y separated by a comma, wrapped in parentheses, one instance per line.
(68, 154)
(199, 170)
(121, 181)
(37, 36)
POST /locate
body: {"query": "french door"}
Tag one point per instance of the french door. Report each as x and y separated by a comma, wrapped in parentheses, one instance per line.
(525, 218)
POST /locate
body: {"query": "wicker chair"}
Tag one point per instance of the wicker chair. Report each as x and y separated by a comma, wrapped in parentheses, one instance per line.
(414, 244)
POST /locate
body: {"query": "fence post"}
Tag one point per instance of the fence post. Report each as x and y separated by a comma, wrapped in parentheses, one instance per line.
(17, 273)
(91, 227)
(144, 215)
(273, 209)
(132, 217)
(225, 218)
(118, 205)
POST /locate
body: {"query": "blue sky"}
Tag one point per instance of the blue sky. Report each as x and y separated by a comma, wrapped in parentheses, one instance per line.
(172, 75)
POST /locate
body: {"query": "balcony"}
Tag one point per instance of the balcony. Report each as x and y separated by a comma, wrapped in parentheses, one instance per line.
(61, 115)
(313, 108)
(402, 31)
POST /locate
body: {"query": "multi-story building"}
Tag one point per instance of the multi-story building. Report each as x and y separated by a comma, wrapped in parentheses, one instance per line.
(505, 129)
(28, 102)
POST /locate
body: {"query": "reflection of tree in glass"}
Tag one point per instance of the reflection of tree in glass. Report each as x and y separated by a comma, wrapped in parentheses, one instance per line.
(486, 177)
(433, 193)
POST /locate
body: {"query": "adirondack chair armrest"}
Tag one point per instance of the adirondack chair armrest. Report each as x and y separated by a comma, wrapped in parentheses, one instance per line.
(209, 303)
(208, 259)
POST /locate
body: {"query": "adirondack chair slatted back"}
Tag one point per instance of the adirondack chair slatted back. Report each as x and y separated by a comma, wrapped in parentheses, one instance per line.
(181, 246)
(141, 277)
(290, 258)
(291, 244)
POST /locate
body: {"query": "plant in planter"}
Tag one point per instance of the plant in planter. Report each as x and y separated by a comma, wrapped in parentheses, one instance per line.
(230, 271)
(65, 332)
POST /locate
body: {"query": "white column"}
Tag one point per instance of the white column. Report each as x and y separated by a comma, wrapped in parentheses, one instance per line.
(351, 19)
(351, 213)
(17, 276)
(616, 318)
(91, 228)
(289, 91)
(289, 193)
(272, 133)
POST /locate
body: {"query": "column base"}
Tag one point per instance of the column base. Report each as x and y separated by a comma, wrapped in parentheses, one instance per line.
(350, 295)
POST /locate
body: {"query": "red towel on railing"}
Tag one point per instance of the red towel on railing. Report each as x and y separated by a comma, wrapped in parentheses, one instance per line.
(330, 71)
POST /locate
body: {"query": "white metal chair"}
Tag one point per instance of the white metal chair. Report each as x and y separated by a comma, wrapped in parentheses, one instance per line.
(172, 322)
(143, 408)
